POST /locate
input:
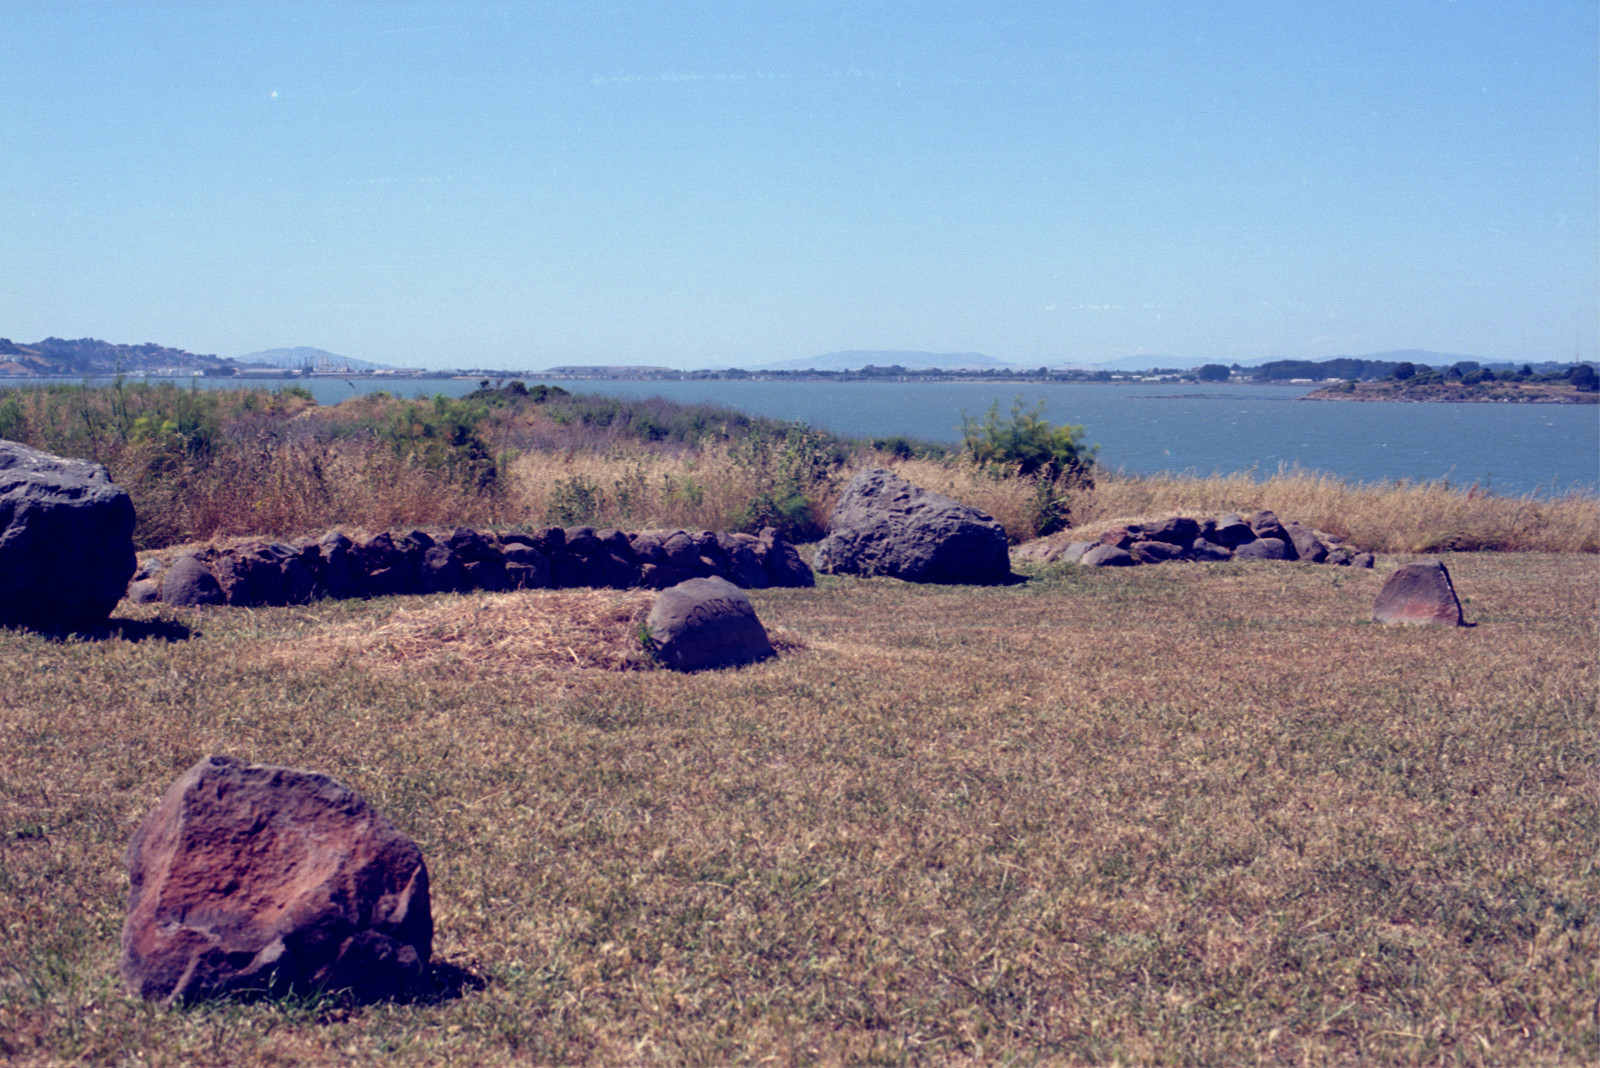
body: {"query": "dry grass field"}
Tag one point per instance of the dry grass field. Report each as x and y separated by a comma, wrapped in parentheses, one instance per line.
(1190, 814)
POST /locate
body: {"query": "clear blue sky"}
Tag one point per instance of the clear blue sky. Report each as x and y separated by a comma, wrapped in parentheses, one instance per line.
(707, 184)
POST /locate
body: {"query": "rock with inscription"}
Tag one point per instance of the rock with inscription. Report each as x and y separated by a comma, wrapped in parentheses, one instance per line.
(66, 540)
(883, 525)
(250, 879)
(1419, 595)
(706, 623)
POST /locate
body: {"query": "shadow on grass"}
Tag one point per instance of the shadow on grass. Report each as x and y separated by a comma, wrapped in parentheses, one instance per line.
(447, 982)
(128, 630)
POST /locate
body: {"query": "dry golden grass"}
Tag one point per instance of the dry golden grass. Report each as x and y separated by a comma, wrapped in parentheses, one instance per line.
(1407, 517)
(1187, 815)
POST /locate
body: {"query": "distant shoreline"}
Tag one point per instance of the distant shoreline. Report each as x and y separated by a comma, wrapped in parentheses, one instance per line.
(1453, 393)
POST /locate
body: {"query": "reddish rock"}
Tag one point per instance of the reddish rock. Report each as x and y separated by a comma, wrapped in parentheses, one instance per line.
(254, 879)
(1419, 594)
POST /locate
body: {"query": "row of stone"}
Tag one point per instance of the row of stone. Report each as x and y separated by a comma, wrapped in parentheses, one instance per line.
(1210, 538)
(257, 572)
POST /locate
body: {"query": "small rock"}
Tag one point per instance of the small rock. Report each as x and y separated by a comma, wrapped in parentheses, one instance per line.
(1306, 545)
(1177, 530)
(706, 623)
(1232, 531)
(1105, 555)
(1156, 552)
(1419, 595)
(1263, 549)
(1208, 552)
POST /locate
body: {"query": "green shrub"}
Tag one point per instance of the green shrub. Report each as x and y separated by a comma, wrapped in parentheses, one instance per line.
(1025, 444)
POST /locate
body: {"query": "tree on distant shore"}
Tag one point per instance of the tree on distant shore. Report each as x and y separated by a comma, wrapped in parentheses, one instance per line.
(1583, 378)
(1404, 370)
(1213, 372)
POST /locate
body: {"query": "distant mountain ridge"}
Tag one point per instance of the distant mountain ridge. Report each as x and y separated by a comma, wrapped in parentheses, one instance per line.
(302, 356)
(91, 356)
(855, 359)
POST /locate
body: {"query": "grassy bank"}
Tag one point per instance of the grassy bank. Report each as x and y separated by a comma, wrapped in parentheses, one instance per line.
(1189, 815)
(207, 464)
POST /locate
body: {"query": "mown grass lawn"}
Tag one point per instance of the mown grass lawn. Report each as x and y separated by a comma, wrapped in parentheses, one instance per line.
(1183, 814)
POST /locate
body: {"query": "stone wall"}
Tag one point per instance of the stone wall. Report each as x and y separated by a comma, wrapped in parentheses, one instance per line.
(258, 572)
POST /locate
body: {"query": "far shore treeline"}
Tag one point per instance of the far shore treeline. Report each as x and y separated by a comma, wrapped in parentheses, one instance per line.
(82, 358)
(204, 464)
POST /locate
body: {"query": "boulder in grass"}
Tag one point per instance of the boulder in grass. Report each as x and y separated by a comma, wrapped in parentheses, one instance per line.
(706, 623)
(883, 525)
(248, 879)
(189, 582)
(1419, 595)
(66, 541)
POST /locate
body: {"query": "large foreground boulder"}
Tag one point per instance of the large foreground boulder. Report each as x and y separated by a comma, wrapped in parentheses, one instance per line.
(883, 525)
(255, 879)
(706, 623)
(1419, 594)
(66, 541)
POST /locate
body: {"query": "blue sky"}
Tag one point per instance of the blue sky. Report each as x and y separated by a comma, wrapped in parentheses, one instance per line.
(711, 184)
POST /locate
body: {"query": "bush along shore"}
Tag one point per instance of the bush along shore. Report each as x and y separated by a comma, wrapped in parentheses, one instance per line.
(202, 465)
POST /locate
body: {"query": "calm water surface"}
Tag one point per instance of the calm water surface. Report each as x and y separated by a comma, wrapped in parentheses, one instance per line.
(1149, 428)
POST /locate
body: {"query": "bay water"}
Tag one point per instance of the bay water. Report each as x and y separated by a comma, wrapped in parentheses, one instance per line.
(1149, 428)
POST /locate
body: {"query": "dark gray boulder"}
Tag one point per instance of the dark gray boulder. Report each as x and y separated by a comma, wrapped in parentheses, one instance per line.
(1307, 546)
(1178, 530)
(1231, 531)
(706, 623)
(782, 561)
(883, 525)
(189, 582)
(66, 541)
(1156, 552)
(1264, 549)
(1207, 552)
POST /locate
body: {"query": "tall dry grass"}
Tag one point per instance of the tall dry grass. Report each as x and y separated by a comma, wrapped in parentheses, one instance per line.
(1400, 517)
(202, 464)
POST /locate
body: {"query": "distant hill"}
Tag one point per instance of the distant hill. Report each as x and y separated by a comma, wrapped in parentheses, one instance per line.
(856, 359)
(1145, 363)
(318, 359)
(91, 356)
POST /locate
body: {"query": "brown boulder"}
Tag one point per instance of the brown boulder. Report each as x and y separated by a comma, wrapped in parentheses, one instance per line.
(254, 879)
(1419, 594)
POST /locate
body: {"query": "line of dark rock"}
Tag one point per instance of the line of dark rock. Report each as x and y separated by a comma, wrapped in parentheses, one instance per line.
(1209, 538)
(259, 572)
